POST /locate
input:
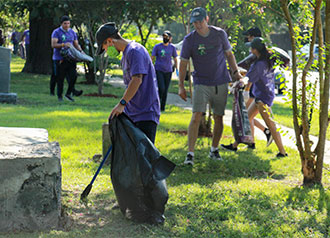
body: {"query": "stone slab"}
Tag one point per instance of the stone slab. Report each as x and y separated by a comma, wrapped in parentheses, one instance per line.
(30, 175)
(8, 98)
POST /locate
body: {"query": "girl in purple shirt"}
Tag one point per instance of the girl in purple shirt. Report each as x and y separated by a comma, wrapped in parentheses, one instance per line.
(261, 75)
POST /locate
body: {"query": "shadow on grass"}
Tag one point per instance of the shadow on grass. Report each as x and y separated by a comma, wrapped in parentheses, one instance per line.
(206, 171)
(313, 201)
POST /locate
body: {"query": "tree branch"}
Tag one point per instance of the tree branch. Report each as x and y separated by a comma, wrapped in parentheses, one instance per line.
(268, 7)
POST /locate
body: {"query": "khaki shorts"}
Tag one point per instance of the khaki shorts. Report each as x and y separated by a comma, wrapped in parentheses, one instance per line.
(215, 95)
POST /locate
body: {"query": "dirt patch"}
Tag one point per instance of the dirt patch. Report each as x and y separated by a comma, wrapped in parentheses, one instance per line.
(101, 95)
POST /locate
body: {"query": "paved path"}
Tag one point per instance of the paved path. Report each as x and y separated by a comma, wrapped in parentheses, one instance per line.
(288, 138)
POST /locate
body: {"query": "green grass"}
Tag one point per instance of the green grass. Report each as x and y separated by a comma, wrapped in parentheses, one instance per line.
(249, 194)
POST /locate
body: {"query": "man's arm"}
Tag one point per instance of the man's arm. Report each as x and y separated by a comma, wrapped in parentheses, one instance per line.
(233, 65)
(175, 62)
(131, 90)
(77, 46)
(182, 76)
(55, 44)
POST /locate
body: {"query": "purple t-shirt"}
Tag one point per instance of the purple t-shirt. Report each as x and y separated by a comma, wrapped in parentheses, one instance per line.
(208, 56)
(26, 34)
(144, 106)
(263, 82)
(163, 55)
(63, 37)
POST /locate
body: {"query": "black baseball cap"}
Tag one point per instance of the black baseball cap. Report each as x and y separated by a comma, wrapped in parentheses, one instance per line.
(197, 14)
(167, 33)
(254, 31)
(257, 43)
(105, 31)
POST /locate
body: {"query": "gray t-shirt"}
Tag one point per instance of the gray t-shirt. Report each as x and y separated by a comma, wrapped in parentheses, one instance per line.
(208, 56)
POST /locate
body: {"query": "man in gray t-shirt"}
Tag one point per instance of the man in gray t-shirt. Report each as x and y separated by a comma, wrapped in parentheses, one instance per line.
(209, 48)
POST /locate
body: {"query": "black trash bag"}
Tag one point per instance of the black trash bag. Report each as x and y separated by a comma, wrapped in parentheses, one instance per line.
(240, 121)
(138, 172)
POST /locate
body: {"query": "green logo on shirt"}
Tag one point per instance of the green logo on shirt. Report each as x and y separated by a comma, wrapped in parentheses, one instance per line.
(162, 53)
(63, 38)
(201, 49)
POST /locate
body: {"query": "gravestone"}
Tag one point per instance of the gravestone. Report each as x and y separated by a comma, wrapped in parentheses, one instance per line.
(30, 175)
(5, 95)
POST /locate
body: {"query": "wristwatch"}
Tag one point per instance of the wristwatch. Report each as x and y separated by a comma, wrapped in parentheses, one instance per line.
(123, 102)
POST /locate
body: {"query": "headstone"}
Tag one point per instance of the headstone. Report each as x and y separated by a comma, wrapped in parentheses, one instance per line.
(5, 96)
(30, 175)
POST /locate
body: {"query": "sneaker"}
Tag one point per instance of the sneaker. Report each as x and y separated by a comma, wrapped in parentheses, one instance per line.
(269, 136)
(228, 147)
(77, 93)
(67, 97)
(52, 94)
(189, 160)
(251, 146)
(280, 155)
(215, 155)
(60, 99)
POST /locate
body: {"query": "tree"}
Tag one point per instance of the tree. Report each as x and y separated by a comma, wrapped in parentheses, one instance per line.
(146, 13)
(298, 14)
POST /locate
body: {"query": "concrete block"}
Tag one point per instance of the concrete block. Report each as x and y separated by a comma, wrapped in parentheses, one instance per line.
(30, 180)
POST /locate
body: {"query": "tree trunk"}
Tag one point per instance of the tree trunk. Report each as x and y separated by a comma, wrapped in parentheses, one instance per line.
(311, 163)
(40, 58)
(324, 93)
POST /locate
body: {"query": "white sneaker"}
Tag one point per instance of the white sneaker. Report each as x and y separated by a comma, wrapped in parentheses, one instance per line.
(215, 155)
(189, 160)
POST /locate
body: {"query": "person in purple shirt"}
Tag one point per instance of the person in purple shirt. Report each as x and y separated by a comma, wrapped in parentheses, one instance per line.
(26, 39)
(261, 75)
(163, 52)
(250, 34)
(15, 40)
(209, 48)
(140, 100)
(63, 37)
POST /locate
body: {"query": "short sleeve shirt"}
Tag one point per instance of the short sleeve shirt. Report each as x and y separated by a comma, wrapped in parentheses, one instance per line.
(208, 56)
(144, 106)
(263, 82)
(164, 54)
(63, 37)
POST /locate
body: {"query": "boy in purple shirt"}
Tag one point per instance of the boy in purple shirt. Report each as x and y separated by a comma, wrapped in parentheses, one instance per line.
(163, 65)
(64, 37)
(140, 100)
(209, 48)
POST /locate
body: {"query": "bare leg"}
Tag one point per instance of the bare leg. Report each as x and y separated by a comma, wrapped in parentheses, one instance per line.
(265, 112)
(252, 112)
(193, 130)
(217, 130)
(256, 122)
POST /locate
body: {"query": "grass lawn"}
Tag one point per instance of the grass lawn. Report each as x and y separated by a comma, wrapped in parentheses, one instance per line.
(249, 194)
